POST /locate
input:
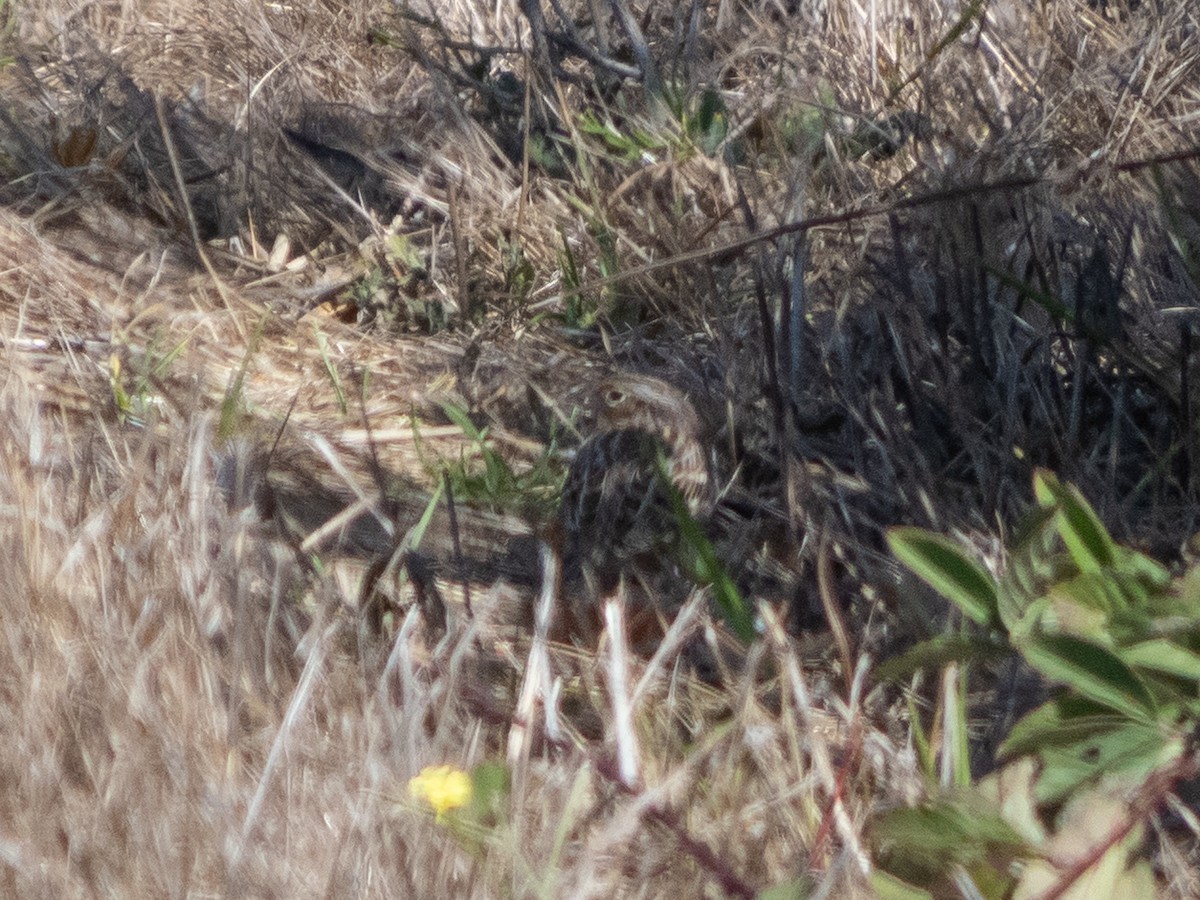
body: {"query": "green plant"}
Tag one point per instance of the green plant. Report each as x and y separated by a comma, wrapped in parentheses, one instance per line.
(519, 274)
(233, 401)
(630, 144)
(706, 123)
(135, 391)
(330, 367)
(701, 564)
(578, 311)
(486, 478)
(390, 285)
(696, 121)
(1118, 641)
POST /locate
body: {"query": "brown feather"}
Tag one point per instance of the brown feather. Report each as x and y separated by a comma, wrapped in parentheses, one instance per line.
(615, 517)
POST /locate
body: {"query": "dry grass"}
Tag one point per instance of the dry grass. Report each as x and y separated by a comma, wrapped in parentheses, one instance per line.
(192, 712)
(198, 703)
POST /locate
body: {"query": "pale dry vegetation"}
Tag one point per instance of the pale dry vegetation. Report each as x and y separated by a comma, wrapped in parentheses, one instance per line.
(260, 261)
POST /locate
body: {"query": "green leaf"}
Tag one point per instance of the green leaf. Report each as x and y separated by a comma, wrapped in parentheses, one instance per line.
(925, 755)
(1100, 591)
(958, 727)
(943, 566)
(459, 416)
(953, 829)
(706, 567)
(921, 844)
(1070, 607)
(1087, 540)
(889, 887)
(1161, 655)
(1149, 573)
(489, 789)
(1092, 670)
(1034, 561)
(1132, 749)
(1063, 720)
(940, 651)
(417, 533)
(335, 380)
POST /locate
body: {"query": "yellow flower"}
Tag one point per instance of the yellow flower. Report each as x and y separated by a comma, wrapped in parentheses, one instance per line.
(443, 787)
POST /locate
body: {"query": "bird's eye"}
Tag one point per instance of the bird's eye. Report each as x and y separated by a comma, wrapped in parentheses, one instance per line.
(614, 396)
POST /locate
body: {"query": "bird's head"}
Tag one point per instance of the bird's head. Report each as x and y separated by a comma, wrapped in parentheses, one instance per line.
(647, 404)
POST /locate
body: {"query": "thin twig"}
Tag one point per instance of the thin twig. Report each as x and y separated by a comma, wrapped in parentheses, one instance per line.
(180, 184)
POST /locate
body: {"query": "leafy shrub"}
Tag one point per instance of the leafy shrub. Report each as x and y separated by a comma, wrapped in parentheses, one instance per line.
(1118, 641)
